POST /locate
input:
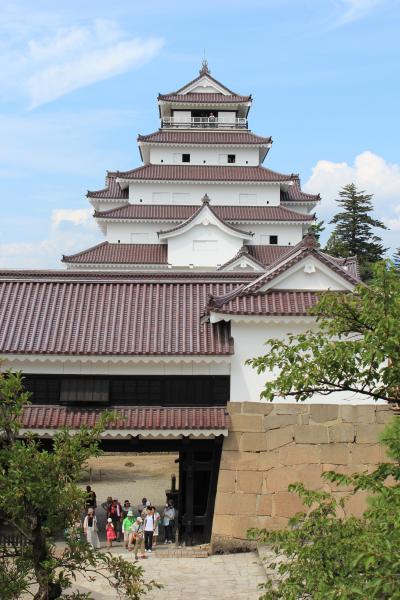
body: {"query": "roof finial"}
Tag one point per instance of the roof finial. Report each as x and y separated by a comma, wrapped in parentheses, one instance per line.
(205, 199)
(204, 70)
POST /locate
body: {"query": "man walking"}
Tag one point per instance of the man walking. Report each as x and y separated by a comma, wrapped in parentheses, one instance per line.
(149, 527)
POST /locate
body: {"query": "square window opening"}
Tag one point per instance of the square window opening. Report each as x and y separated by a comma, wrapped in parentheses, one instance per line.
(186, 158)
(273, 239)
(231, 158)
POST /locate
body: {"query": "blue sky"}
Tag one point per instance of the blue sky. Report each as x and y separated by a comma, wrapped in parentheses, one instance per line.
(79, 80)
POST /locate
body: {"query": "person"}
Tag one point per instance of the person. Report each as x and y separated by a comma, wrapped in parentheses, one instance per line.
(142, 507)
(169, 521)
(127, 524)
(115, 512)
(211, 119)
(157, 519)
(110, 532)
(125, 509)
(144, 511)
(136, 537)
(149, 526)
(107, 505)
(91, 500)
(90, 529)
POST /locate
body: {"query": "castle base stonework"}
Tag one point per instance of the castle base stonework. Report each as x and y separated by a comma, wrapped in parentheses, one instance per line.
(270, 446)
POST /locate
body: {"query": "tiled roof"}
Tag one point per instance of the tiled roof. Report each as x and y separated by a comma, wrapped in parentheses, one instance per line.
(248, 298)
(202, 173)
(132, 417)
(175, 212)
(268, 254)
(204, 207)
(274, 303)
(165, 276)
(106, 253)
(110, 317)
(294, 193)
(204, 98)
(112, 190)
(165, 136)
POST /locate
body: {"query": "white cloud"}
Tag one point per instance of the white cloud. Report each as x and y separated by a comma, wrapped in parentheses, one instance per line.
(355, 10)
(79, 216)
(71, 58)
(369, 172)
(69, 231)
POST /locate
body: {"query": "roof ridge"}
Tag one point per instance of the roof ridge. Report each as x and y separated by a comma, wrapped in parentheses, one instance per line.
(66, 256)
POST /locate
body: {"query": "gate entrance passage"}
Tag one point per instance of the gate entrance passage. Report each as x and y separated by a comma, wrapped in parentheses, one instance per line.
(195, 435)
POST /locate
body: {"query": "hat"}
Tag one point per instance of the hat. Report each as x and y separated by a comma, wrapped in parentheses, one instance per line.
(130, 513)
(109, 520)
(139, 519)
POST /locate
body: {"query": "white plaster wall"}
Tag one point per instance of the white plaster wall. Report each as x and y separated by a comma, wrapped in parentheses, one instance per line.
(288, 235)
(203, 156)
(246, 384)
(134, 367)
(309, 274)
(126, 232)
(222, 247)
(192, 193)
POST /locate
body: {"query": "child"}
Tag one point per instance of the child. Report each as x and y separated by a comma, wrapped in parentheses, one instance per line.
(110, 531)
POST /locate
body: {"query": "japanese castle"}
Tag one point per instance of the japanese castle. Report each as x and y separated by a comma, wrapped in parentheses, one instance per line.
(207, 253)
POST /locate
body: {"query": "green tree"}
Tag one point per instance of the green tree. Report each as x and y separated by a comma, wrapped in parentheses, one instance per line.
(317, 229)
(356, 347)
(39, 497)
(396, 259)
(325, 557)
(353, 233)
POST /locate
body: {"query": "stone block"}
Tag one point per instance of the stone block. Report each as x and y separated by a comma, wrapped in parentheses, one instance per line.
(321, 413)
(257, 408)
(234, 407)
(240, 422)
(249, 481)
(290, 409)
(279, 437)
(344, 470)
(298, 454)
(356, 504)
(311, 434)
(278, 480)
(342, 432)
(239, 461)
(286, 504)
(226, 481)
(337, 454)
(235, 504)
(264, 504)
(358, 414)
(232, 442)
(240, 525)
(275, 523)
(279, 421)
(222, 525)
(366, 454)
(368, 434)
(269, 460)
(253, 442)
(384, 414)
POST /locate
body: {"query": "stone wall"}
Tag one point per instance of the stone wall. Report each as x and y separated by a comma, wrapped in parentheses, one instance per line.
(270, 446)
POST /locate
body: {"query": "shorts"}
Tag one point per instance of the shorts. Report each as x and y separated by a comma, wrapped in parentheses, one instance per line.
(126, 536)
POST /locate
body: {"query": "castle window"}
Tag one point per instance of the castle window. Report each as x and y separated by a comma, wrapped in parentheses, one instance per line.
(273, 239)
(231, 158)
(186, 158)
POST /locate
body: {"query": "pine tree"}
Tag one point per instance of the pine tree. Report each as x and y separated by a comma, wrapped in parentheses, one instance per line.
(316, 229)
(396, 259)
(353, 234)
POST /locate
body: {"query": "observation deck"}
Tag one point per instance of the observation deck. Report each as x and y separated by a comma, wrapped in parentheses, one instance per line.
(183, 122)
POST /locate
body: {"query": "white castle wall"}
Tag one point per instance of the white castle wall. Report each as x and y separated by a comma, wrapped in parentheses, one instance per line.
(202, 247)
(203, 155)
(146, 233)
(192, 193)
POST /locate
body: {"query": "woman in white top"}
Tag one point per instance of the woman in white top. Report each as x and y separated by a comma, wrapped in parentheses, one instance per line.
(90, 529)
